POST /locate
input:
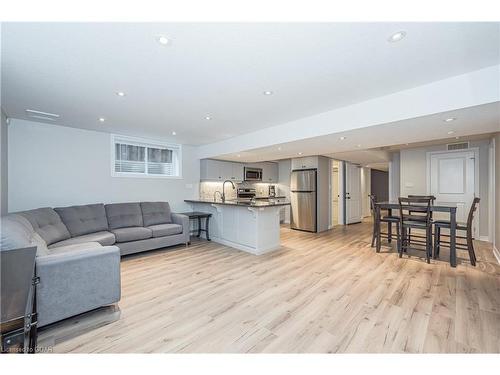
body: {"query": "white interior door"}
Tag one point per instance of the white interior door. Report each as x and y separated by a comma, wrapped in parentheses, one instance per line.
(335, 195)
(452, 180)
(353, 193)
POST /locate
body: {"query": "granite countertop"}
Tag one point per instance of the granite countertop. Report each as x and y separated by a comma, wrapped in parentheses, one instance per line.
(276, 197)
(257, 203)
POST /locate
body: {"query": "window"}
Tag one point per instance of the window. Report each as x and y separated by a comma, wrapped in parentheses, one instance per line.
(141, 158)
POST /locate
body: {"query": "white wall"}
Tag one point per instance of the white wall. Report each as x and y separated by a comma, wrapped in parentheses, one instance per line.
(365, 191)
(284, 171)
(497, 193)
(395, 176)
(61, 166)
(414, 176)
(3, 164)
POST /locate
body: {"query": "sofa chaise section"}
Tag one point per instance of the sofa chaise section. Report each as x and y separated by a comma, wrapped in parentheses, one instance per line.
(73, 278)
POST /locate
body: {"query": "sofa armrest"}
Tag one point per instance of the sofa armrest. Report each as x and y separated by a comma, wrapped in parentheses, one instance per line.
(184, 221)
(78, 281)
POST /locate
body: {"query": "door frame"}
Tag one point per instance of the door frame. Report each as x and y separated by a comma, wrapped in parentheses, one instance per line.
(341, 192)
(475, 150)
(345, 197)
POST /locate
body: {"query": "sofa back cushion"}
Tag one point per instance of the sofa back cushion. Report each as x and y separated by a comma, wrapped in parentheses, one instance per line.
(124, 215)
(47, 223)
(17, 233)
(85, 219)
(156, 213)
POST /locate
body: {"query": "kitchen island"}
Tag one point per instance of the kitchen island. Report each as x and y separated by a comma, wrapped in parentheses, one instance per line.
(251, 226)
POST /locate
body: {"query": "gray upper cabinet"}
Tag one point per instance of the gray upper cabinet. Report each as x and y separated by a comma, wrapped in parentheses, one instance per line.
(270, 172)
(210, 170)
(237, 172)
(308, 162)
(216, 170)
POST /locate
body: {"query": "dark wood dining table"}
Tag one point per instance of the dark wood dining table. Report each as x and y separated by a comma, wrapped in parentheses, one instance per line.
(441, 207)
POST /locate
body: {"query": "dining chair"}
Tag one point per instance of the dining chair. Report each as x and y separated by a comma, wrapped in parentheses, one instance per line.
(389, 219)
(467, 227)
(418, 238)
(415, 212)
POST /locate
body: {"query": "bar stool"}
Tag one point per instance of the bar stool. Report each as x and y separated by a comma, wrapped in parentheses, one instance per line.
(377, 220)
(467, 227)
(415, 213)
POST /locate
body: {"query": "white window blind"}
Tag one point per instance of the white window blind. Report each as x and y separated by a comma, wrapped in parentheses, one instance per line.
(136, 157)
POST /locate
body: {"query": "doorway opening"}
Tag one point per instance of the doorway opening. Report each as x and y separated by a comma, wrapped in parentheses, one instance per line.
(336, 212)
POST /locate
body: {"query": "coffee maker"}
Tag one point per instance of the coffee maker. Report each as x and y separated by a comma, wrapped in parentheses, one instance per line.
(272, 191)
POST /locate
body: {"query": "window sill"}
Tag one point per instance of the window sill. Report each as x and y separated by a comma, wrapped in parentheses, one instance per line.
(140, 175)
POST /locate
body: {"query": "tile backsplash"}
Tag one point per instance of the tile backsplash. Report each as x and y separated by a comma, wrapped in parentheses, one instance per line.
(208, 188)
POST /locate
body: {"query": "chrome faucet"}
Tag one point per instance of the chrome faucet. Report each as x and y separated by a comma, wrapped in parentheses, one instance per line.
(223, 196)
(215, 195)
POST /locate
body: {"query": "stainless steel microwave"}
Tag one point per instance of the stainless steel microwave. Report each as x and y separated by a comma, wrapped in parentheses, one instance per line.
(253, 174)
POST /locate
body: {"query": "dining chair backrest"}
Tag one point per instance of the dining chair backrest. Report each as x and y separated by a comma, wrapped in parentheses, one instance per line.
(470, 217)
(431, 197)
(415, 209)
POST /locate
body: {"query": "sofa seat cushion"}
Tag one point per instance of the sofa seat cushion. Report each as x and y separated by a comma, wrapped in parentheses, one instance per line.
(161, 230)
(47, 223)
(124, 215)
(74, 247)
(105, 238)
(155, 213)
(85, 219)
(132, 234)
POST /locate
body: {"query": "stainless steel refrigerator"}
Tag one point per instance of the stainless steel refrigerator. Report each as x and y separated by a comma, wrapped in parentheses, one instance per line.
(303, 200)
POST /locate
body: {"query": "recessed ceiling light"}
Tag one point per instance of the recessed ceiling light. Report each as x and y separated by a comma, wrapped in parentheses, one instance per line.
(174, 133)
(163, 40)
(300, 153)
(120, 93)
(396, 37)
(268, 92)
(342, 138)
(208, 117)
(239, 155)
(358, 146)
(451, 132)
(457, 137)
(102, 119)
(279, 148)
(450, 119)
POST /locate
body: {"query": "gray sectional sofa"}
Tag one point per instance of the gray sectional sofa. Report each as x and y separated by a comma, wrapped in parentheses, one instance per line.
(79, 248)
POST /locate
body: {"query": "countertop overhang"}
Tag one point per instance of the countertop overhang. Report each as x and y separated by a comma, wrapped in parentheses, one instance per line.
(257, 203)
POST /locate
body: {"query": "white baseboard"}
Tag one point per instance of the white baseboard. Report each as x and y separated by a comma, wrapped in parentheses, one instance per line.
(484, 238)
(496, 253)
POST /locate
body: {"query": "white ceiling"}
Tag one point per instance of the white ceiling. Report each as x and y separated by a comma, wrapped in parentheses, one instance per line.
(363, 145)
(74, 69)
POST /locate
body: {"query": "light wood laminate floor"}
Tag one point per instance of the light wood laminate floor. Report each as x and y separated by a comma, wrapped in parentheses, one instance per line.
(328, 293)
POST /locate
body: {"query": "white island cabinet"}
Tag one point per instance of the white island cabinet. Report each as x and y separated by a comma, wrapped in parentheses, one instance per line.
(254, 228)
